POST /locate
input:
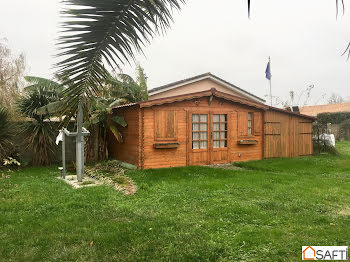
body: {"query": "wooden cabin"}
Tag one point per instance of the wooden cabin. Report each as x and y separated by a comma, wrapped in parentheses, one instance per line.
(208, 127)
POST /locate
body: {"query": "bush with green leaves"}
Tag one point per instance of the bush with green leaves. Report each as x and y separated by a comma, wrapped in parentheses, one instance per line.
(7, 132)
(333, 118)
(39, 132)
(344, 129)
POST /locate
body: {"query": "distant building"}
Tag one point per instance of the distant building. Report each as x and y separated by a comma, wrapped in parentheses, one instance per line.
(331, 108)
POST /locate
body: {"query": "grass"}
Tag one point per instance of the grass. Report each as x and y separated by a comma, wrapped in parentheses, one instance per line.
(264, 213)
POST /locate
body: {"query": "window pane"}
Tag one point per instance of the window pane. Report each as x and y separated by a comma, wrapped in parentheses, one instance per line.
(195, 127)
(249, 130)
(223, 143)
(249, 116)
(195, 118)
(204, 136)
(195, 136)
(204, 144)
(204, 118)
(195, 145)
(204, 127)
(249, 123)
(216, 126)
(216, 118)
(223, 126)
(223, 118)
(216, 144)
(223, 135)
(216, 135)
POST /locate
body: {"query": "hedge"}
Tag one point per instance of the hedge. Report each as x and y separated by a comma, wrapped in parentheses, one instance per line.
(333, 118)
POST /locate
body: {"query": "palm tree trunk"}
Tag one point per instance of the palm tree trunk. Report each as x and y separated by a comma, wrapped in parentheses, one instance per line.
(80, 142)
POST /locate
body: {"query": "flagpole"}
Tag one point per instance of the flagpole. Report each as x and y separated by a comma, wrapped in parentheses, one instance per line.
(270, 82)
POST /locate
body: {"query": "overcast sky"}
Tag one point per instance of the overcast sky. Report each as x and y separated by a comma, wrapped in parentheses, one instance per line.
(303, 38)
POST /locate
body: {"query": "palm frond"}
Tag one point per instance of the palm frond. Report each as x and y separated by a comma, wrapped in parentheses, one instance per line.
(119, 120)
(347, 51)
(51, 108)
(127, 79)
(337, 7)
(105, 30)
(116, 133)
(37, 82)
(28, 104)
(117, 102)
(248, 8)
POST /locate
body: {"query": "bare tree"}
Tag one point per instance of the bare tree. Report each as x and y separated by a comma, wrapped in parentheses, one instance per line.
(12, 69)
(335, 99)
(296, 99)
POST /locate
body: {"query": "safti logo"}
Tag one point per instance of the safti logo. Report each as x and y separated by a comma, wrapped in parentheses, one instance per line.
(324, 253)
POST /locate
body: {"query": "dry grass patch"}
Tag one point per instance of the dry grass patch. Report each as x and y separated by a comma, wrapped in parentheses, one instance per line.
(112, 174)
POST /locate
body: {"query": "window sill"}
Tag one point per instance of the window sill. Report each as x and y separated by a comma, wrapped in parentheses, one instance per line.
(247, 142)
(166, 145)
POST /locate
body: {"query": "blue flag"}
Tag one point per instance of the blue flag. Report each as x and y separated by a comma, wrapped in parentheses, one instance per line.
(268, 71)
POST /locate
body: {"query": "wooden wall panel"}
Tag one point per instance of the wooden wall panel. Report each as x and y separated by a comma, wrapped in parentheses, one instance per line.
(242, 126)
(165, 124)
(257, 123)
(129, 150)
(277, 134)
(295, 137)
(156, 158)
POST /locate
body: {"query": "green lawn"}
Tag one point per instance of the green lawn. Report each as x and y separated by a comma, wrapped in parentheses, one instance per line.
(263, 213)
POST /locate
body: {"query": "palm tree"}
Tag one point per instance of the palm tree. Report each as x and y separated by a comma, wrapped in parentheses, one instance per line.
(104, 30)
(128, 89)
(99, 123)
(118, 90)
(38, 129)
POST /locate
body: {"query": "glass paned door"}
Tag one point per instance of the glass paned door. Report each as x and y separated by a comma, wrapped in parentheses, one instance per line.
(219, 130)
(199, 131)
(208, 134)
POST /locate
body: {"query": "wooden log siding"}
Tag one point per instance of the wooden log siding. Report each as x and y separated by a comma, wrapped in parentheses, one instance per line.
(156, 124)
(182, 156)
(287, 135)
(165, 125)
(128, 151)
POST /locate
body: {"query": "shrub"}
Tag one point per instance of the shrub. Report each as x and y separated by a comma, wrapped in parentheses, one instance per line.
(38, 130)
(322, 146)
(333, 118)
(344, 130)
(7, 132)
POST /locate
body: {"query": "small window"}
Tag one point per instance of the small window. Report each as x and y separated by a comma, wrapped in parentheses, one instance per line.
(199, 131)
(250, 123)
(220, 131)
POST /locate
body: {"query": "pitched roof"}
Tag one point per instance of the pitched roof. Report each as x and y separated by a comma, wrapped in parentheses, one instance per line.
(207, 93)
(210, 76)
(331, 108)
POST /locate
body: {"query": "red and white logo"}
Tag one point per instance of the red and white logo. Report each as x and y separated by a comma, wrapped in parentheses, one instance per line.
(324, 253)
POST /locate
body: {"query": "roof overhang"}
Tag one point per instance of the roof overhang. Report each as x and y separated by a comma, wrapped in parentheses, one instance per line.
(208, 93)
(206, 76)
(292, 113)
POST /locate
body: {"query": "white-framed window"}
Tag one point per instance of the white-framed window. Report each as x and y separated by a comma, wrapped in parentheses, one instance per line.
(250, 123)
